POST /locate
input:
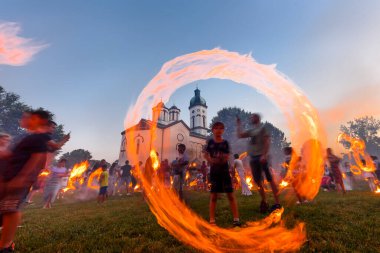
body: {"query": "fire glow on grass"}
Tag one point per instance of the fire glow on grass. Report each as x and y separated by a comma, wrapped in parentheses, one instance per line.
(305, 132)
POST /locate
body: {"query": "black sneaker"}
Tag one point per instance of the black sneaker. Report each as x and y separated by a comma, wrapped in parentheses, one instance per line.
(10, 249)
(236, 224)
(275, 207)
(264, 207)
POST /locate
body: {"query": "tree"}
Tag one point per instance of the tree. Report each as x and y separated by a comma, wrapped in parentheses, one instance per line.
(228, 117)
(11, 109)
(76, 156)
(366, 128)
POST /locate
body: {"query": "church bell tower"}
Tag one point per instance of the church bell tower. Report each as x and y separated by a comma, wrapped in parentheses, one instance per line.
(198, 114)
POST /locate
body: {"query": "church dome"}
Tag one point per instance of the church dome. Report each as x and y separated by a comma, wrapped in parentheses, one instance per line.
(197, 99)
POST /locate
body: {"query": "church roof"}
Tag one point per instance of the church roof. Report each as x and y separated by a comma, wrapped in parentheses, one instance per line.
(174, 107)
(197, 99)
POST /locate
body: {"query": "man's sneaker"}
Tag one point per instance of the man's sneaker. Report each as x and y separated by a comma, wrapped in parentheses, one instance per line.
(236, 224)
(263, 207)
(275, 207)
(9, 249)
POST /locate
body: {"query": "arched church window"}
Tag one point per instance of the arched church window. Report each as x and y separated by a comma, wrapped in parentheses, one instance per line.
(204, 121)
(137, 146)
(193, 121)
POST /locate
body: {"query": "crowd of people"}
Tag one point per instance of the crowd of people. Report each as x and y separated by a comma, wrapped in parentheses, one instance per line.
(23, 160)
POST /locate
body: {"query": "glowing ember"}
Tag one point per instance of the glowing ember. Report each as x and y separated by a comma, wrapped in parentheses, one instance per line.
(283, 184)
(304, 127)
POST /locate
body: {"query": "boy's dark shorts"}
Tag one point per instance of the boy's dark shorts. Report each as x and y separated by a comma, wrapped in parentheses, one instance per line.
(258, 168)
(220, 180)
(103, 190)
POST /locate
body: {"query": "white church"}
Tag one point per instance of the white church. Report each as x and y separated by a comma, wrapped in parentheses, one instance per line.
(170, 132)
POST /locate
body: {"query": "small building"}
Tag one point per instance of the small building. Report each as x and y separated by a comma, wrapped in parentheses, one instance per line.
(170, 132)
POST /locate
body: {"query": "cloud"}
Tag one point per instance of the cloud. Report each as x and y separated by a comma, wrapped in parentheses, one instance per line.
(16, 50)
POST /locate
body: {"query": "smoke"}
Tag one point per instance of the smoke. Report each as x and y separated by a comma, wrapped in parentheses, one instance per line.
(16, 50)
(359, 102)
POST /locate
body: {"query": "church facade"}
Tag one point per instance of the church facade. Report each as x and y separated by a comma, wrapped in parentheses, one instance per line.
(170, 132)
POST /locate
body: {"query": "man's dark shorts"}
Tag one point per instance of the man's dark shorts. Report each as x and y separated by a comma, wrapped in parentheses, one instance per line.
(258, 168)
(103, 190)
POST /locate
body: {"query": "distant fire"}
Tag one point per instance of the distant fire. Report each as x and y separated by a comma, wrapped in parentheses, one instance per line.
(248, 180)
(76, 176)
(358, 153)
(94, 176)
(155, 161)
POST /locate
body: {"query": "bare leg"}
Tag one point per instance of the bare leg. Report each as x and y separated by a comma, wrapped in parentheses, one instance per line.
(342, 186)
(275, 191)
(233, 205)
(10, 223)
(30, 196)
(262, 192)
(213, 199)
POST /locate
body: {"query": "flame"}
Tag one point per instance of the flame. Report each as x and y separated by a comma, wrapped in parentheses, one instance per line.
(305, 131)
(248, 180)
(358, 153)
(193, 183)
(187, 176)
(155, 161)
(243, 155)
(377, 190)
(76, 175)
(44, 173)
(136, 187)
(94, 175)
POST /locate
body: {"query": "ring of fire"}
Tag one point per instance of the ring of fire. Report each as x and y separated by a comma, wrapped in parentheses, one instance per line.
(306, 134)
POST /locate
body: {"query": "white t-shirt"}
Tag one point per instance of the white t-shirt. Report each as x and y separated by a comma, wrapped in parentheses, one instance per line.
(238, 165)
(58, 170)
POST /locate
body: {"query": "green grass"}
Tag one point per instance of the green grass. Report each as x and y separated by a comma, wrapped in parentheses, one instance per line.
(334, 223)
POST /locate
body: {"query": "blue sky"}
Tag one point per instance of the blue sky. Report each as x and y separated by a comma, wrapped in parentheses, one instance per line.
(101, 54)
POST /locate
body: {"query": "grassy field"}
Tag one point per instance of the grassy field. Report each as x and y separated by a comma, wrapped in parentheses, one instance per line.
(334, 223)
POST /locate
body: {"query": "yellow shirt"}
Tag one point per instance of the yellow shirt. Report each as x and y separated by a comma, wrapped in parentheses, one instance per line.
(104, 179)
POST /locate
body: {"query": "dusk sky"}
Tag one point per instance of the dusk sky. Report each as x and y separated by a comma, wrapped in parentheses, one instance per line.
(87, 61)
